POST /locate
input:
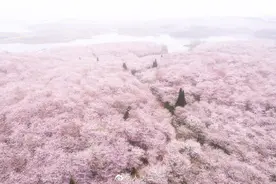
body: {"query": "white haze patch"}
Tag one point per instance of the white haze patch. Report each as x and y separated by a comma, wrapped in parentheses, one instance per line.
(173, 44)
(13, 27)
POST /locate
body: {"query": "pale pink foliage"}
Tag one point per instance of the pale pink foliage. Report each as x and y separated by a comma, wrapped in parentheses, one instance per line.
(61, 114)
(236, 112)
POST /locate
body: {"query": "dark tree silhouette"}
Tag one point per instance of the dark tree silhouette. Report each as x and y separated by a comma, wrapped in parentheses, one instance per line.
(169, 107)
(134, 173)
(124, 66)
(154, 65)
(133, 72)
(72, 181)
(126, 115)
(181, 101)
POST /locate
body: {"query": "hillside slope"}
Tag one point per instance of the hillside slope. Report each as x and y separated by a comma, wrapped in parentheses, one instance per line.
(77, 112)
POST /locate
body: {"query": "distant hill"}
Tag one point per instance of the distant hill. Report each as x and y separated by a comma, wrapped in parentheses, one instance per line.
(193, 28)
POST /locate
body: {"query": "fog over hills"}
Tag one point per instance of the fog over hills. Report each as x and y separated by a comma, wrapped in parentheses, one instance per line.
(192, 28)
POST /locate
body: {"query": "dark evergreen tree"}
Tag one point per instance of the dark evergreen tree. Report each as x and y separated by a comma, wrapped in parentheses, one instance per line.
(181, 101)
(154, 65)
(126, 115)
(124, 66)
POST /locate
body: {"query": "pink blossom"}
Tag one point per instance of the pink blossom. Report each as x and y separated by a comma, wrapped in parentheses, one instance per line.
(61, 116)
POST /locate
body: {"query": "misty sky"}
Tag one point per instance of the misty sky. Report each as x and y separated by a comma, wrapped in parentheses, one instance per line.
(43, 10)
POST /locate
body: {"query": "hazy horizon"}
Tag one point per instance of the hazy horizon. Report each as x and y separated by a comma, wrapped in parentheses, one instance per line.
(32, 24)
(31, 11)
